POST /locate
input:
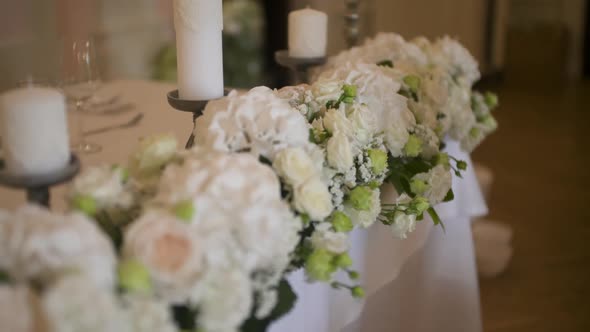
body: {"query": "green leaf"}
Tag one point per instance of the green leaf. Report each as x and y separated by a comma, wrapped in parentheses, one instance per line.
(185, 317)
(450, 196)
(4, 278)
(435, 218)
(286, 303)
(385, 63)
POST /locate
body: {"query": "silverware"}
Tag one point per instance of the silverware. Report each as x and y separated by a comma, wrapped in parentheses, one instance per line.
(131, 123)
(113, 110)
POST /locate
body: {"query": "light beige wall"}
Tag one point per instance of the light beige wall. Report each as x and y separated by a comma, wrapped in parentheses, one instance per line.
(463, 19)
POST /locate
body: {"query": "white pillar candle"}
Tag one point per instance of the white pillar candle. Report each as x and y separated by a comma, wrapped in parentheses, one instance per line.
(199, 26)
(34, 132)
(308, 33)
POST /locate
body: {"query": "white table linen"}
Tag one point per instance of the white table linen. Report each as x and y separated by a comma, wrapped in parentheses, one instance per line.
(424, 283)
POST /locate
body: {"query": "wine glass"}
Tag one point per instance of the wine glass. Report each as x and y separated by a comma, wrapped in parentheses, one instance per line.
(80, 82)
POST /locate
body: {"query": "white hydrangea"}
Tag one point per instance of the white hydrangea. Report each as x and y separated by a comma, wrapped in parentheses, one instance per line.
(385, 46)
(365, 218)
(146, 314)
(75, 304)
(327, 90)
(325, 238)
(226, 301)
(459, 109)
(313, 198)
(449, 53)
(438, 183)
(295, 166)
(105, 184)
(17, 309)
(170, 250)
(239, 220)
(36, 244)
(403, 223)
(364, 123)
(258, 121)
(265, 303)
(376, 88)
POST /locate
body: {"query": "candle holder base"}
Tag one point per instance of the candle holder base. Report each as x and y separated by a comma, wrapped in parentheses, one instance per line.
(37, 186)
(191, 106)
(300, 66)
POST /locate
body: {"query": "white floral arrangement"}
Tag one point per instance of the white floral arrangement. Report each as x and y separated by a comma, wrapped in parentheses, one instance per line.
(203, 239)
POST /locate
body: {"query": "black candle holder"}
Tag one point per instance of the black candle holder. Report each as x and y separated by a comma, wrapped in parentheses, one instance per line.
(300, 66)
(37, 186)
(191, 106)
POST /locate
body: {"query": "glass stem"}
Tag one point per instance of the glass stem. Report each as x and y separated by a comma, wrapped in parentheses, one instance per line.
(79, 125)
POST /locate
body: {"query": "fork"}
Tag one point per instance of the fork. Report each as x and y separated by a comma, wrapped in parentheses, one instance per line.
(131, 123)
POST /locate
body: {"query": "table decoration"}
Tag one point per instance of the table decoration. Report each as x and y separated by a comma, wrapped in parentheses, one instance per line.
(193, 106)
(299, 66)
(34, 131)
(308, 33)
(275, 182)
(199, 25)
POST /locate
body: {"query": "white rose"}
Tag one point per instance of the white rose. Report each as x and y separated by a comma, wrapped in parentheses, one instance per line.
(325, 238)
(340, 152)
(294, 165)
(314, 199)
(364, 124)
(170, 251)
(326, 90)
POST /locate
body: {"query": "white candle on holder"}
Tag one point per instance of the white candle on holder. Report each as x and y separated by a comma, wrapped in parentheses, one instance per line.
(34, 131)
(308, 33)
(199, 26)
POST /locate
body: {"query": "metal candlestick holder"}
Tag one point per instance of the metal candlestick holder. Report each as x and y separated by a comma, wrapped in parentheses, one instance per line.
(191, 106)
(300, 66)
(37, 187)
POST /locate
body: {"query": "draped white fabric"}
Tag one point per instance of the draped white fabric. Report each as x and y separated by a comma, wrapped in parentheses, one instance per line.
(427, 282)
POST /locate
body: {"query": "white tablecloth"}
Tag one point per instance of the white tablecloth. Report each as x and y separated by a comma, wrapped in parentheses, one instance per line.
(427, 282)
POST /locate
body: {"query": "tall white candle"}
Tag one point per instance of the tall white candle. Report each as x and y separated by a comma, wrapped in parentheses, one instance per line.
(199, 26)
(34, 131)
(308, 33)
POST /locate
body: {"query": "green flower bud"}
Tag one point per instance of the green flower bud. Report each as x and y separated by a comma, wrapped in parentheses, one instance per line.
(413, 147)
(474, 132)
(85, 204)
(491, 99)
(490, 123)
(462, 165)
(358, 292)
(442, 159)
(184, 210)
(353, 275)
(378, 160)
(417, 186)
(343, 261)
(134, 277)
(413, 82)
(361, 198)
(349, 91)
(419, 205)
(319, 265)
(341, 222)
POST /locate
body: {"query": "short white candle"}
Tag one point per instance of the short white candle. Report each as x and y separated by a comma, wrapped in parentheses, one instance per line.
(34, 132)
(308, 33)
(199, 26)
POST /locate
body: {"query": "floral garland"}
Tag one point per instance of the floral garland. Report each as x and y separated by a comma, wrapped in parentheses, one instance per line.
(203, 239)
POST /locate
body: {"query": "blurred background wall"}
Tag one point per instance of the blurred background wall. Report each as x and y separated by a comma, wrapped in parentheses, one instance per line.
(523, 39)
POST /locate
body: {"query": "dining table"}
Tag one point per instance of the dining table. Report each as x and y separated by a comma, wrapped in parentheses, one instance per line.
(427, 282)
